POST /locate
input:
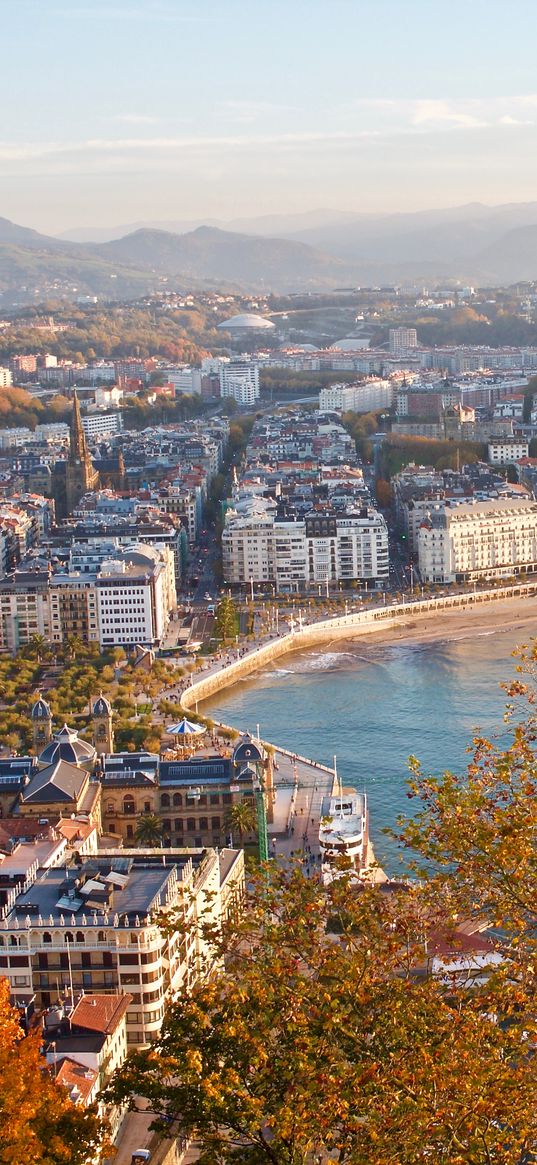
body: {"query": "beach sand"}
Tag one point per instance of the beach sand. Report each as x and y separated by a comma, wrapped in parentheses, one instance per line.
(461, 623)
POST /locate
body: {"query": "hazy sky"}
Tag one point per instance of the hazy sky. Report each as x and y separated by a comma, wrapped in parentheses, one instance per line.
(121, 110)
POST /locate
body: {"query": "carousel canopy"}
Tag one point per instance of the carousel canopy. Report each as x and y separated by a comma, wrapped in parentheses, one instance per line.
(185, 728)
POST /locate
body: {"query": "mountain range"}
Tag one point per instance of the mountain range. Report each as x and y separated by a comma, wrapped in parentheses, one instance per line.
(319, 250)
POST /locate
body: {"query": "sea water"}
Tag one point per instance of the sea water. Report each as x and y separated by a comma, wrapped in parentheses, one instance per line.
(375, 705)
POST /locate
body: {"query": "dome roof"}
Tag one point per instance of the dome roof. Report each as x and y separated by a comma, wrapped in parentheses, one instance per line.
(40, 710)
(102, 706)
(247, 321)
(66, 745)
(246, 752)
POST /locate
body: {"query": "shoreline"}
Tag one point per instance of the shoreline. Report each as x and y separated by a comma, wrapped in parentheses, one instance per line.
(452, 626)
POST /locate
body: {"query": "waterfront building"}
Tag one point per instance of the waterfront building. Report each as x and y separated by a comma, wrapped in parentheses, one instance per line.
(478, 540)
(321, 548)
(193, 796)
(98, 928)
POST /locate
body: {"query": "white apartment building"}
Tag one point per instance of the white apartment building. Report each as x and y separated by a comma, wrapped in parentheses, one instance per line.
(101, 424)
(101, 930)
(479, 540)
(364, 397)
(240, 380)
(507, 450)
(135, 597)
(184, 379)
(5, 378)
(106, 398)
(401, 339)
(320, 549)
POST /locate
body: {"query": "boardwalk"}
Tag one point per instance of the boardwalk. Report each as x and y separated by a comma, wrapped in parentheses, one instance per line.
(300, 787)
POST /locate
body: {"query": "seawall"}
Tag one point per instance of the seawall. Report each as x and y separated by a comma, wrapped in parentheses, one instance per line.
(343, 627)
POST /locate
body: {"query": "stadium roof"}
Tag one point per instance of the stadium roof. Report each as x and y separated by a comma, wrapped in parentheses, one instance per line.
(246, 322)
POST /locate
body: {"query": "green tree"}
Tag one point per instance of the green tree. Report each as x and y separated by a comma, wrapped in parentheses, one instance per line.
(227, 620)
(149, 831)
(242, 818)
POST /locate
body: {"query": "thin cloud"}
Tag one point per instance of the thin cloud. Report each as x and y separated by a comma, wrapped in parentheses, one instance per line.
(135, 119)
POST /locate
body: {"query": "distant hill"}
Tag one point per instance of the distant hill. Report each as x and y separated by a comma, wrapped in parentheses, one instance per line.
(473, 244)
(249, 260)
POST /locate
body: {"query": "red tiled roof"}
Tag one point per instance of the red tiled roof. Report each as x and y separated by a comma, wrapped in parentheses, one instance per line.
(73, 1075)
(100, 1013)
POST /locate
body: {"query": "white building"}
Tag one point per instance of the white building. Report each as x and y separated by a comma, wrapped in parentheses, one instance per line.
(135, 596)
(184, 379)
(364, 397)
(101, 424)
(317, 550)
(401, 339)
(5, 378)
(103, 929)
(507, 450)
(106, 398)
(479, 540)
(240, 380)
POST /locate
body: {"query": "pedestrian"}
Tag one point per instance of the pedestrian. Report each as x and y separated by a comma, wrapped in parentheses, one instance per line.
(292, 830)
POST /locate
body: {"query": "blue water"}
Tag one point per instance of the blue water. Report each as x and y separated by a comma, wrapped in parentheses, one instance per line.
(374, 705)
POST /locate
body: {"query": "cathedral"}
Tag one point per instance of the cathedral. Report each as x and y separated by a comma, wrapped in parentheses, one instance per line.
(76, 476)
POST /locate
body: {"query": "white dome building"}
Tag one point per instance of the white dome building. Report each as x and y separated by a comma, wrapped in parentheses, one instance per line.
(246, 323)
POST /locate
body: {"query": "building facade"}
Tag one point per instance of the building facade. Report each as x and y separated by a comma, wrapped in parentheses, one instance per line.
(481, 540)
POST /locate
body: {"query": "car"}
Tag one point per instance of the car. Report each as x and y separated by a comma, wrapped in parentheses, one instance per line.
(208, 597)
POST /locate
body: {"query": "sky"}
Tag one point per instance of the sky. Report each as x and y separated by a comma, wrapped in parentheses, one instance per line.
(120, 111)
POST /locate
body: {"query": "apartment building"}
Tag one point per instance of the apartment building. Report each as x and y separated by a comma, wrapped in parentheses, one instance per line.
(507, 450)
(317, 549)
(240, 380)
(359, 398)
(478, 540)
(401, 339)
(98, 928)
(124, 600)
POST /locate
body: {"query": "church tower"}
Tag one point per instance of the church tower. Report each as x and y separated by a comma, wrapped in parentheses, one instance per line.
(80, 474)
(103, 731)
(41, 718)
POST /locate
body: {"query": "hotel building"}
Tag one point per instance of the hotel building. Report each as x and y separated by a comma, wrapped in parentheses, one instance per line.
(478, 540)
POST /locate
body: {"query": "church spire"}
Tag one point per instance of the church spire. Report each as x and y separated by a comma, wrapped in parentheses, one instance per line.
(79, 449)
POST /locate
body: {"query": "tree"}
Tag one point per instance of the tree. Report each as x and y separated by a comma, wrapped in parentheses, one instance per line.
(227, 621)
(369, 1027)
(327, 1039)
(149, 831)
(39, 1124)
(242, 818)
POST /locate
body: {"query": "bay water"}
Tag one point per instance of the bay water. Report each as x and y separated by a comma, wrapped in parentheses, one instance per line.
(373, 705)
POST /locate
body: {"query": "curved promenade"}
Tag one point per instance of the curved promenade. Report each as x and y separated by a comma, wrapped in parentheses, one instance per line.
(341, 627)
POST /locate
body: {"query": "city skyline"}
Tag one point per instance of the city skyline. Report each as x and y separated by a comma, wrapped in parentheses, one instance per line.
(154, 109)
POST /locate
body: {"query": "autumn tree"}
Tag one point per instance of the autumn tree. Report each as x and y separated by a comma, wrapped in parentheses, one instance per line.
(39, 1124)
(329, 1039)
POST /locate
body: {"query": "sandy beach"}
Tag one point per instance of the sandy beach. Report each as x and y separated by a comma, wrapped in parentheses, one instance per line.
(461, 623)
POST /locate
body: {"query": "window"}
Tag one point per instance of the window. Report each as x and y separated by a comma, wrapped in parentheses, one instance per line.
(177, 799)
(147, 807)
(165, 801)
(128, 805)
(215, 823)
(203, 824)
(111, 807)
(178, 825)
(68, 937)
(190, 824)
(130, 831)
(80, 937)
(47, 938)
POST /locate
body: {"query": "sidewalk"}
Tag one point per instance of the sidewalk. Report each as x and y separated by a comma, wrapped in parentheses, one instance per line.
(300, 788)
